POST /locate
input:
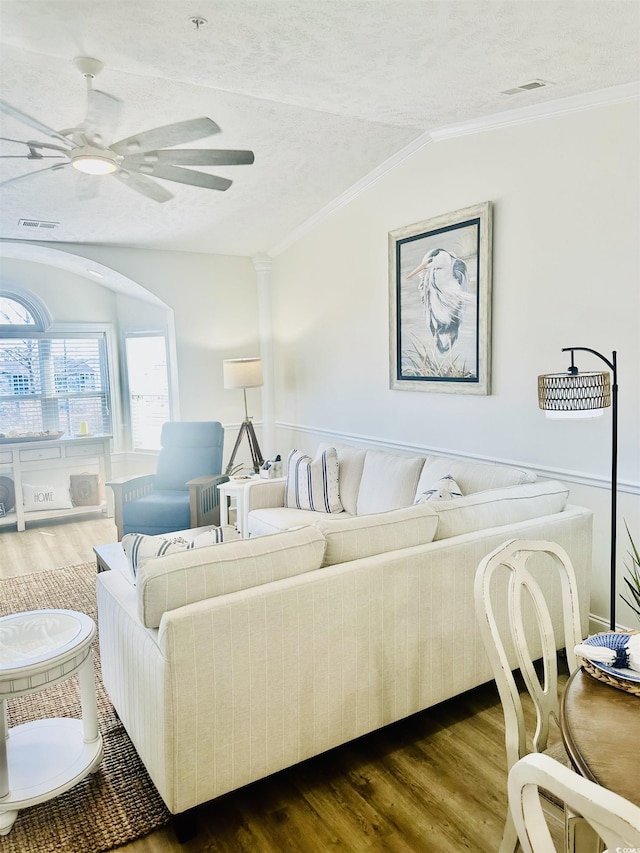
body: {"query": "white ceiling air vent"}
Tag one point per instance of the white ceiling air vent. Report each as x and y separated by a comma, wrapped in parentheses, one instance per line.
(37, 225)
(527, 87)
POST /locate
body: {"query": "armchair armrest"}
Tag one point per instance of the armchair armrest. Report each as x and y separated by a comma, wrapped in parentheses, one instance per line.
(204, 499)
(128, 489)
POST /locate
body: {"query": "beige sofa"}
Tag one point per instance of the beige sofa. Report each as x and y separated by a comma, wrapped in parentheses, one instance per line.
(375, 481)
(230, 662)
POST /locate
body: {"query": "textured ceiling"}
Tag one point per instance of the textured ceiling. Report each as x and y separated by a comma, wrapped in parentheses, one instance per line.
(323, 91)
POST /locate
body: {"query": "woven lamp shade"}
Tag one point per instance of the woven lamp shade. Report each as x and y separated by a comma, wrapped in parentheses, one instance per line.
(577, 395)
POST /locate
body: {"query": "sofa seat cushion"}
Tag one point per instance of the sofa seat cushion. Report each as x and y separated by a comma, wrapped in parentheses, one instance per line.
(377, 533)
(471, 477)
(175, 580)
(263, 522)
(498, 507)
(169, 510)
(389, 481)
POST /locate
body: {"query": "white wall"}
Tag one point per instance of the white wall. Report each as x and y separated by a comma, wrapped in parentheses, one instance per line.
(70, 298)
(211, 303)
(565, 194)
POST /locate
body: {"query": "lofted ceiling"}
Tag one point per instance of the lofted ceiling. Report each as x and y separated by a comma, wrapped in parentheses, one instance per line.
(322, 91)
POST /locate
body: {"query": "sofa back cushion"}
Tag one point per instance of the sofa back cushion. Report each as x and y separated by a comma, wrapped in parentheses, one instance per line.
(166, 583)
(498, 507)
(388, 481)
(313, 483)
(350, 462)
(471, 477)
(368, 535)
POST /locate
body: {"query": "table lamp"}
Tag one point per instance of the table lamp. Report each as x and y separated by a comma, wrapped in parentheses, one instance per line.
(583, 395)
(244, 373)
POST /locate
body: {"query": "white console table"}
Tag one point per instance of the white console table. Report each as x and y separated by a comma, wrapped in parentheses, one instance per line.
(56, 457)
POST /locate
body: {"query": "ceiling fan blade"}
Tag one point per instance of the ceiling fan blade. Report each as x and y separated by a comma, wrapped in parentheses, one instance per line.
(7, 109)
(31, 174)
(33, 154)
(187, 176)
(190, 157)
(143, 185)
(167, 136)
(103, 113)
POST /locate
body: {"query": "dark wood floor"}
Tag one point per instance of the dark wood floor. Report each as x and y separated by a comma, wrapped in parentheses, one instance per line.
(434, 783)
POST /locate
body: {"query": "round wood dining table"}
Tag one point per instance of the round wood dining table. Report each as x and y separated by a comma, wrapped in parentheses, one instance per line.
(600, 728)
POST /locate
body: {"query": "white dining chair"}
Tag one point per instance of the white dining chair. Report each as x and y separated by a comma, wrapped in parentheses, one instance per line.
(615, 820)
(511, 622)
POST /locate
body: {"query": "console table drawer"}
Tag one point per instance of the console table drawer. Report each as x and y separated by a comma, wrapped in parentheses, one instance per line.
(36, 453)
(6, 456)
(90, 449)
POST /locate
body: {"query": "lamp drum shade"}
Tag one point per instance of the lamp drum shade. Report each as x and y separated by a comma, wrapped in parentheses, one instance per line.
(242, 372)
(574, 394)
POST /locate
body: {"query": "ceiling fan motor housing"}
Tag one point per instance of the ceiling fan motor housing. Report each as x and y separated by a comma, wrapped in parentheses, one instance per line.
(94, 161)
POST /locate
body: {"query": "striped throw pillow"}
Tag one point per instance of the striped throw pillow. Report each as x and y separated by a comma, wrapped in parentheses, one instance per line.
(313, 483)
(444, 490)
(139, 547)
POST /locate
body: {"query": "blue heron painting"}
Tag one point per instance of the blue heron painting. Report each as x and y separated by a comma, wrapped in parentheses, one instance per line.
(444, 290)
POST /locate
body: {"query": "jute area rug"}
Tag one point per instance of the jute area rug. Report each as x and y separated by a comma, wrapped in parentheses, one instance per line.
(118, 803)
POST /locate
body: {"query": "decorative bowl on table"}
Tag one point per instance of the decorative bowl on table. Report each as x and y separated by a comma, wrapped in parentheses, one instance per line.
(29, 436)
(621, 677)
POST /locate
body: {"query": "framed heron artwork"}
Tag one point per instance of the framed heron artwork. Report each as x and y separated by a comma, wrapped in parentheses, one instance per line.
(440, 303)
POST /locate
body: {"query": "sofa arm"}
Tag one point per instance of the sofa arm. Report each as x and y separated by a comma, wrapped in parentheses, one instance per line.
(128, 489)
(263, 493)
(204, 499)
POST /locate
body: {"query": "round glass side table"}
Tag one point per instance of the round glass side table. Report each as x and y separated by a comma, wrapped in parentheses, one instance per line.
(43, 758)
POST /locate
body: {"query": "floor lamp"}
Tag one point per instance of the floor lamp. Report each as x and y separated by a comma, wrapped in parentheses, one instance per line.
(583, 395)
(244, 373)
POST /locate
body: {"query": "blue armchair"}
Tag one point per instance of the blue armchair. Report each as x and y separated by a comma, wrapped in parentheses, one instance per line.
(183, 492)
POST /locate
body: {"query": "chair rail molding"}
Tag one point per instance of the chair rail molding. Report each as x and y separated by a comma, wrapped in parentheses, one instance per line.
(595, 481)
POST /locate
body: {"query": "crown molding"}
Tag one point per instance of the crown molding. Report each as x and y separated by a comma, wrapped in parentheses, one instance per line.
(352, 193)
(550, 109)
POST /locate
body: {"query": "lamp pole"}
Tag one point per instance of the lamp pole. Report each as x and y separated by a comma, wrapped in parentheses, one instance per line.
(613, 366)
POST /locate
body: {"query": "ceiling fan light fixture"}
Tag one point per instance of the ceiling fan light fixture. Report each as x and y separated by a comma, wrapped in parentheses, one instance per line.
(94, 161)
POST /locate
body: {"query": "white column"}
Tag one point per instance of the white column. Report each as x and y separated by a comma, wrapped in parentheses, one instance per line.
(262, 264)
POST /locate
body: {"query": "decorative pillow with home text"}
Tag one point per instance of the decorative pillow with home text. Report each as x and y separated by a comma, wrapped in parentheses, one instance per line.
(140, 547)
(313, 483)
(35, 498)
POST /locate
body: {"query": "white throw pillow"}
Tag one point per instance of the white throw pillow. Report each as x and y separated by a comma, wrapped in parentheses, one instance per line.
(313, 483)
(35, 498)
(389, 481)
(140, 547)
(444, 489)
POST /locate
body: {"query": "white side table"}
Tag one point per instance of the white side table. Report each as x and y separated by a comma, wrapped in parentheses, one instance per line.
(44, 758)
(237, 489)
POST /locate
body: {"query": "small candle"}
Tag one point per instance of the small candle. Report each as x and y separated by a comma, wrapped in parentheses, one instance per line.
(84, 428)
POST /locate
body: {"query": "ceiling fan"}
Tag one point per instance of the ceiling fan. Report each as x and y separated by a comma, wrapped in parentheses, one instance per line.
(134, 161)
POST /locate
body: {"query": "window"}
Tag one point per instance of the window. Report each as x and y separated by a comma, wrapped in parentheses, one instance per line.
(50, 380)
(50, 383)
(148, 388)
(14, 312)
